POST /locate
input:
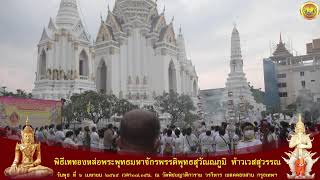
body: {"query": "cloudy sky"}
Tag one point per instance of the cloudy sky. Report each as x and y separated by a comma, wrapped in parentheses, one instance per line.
(206, 24)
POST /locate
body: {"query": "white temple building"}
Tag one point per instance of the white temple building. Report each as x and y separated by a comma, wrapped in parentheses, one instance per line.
(136, 55)
(237, 83)
(65, 62)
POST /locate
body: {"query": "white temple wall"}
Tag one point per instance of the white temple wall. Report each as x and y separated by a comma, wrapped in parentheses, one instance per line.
(114, 72)
(38, 64)
(124, 61)
(49, 57)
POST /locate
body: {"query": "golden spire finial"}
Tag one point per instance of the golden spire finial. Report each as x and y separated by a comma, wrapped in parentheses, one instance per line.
(27, 128)
(300, 118)
(27, 121)
(300, 124)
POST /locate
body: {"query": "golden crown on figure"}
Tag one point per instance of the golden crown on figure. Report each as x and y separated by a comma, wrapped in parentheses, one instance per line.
(300, 125)
(27, 128)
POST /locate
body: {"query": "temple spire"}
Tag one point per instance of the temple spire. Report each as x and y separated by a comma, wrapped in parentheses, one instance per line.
(68, 14)
(235, 44)
(27, 121)
(172, 20)
(281, 49)
(181, 45)
(237, 84)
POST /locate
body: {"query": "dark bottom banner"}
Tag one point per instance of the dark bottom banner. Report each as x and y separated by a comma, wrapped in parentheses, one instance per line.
(53, 162)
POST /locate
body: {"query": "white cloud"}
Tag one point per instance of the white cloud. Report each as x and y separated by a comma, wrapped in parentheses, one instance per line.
(17, 71)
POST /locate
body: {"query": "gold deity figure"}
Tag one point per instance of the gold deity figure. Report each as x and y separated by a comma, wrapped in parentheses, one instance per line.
(24, 164)
(300, 160)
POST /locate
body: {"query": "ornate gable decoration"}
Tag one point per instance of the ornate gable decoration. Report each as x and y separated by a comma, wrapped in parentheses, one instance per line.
(114, 22)
(130, 10)
(84, 36)
(105, 33)
(167, 35)
(78, 27)
(51, 25)
(44, 35)
(79, 30)
(281, 50)
(152, 14)
(158, 23)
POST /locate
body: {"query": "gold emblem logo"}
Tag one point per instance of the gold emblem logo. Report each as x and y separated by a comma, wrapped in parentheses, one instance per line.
(309, 10)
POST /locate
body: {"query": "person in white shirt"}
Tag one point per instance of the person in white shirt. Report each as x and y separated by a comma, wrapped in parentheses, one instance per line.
(36, 133)
(232, 135)
(94, 139)
(207, 143)
(249, 144)
(222, 142)
(202, 134)
(59, 135)
(51, 136)
(168, 144)
(108, 137)
(66, 128)
(173, 127)
(269, 118)
(190, 142)
(214, 131)
(257, 133)
(202, 130)
(178, 142)
(161, 137)
(45, 132)
(214, 134)
(68, 142)
(273, 137)
(78, 137)
(40, 135)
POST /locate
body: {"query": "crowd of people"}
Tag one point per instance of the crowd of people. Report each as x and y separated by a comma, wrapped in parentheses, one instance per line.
(88, 138)
(139, 131)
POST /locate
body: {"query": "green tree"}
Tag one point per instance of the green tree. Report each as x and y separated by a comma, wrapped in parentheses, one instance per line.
(68, 113)
(257, 94)
(92, 105)
(19, 93)
(150, 108)
(122, 106)
(178, 106)
(190, 118)
(100, 106)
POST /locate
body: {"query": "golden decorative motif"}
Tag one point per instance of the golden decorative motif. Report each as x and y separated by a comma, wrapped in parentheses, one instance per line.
(309, 10)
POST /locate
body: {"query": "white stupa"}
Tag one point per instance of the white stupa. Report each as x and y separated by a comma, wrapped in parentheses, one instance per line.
(237, 81)
(65, 59)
